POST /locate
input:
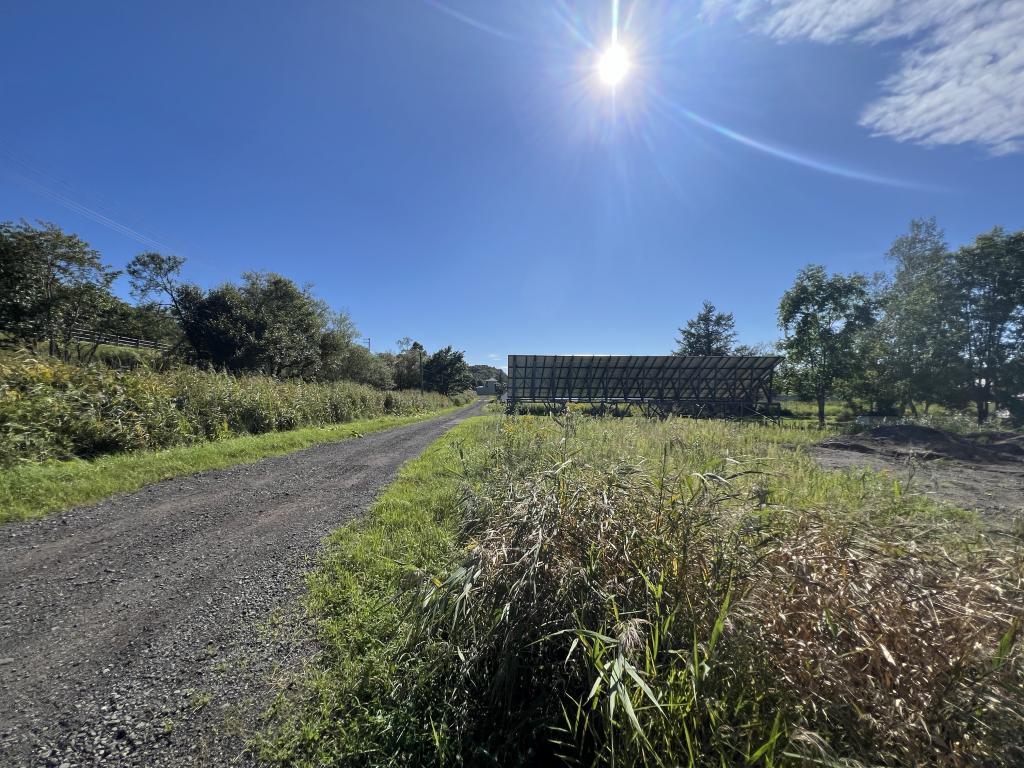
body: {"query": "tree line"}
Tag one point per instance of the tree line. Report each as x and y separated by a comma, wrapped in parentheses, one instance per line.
(52, 283)
(945, 326)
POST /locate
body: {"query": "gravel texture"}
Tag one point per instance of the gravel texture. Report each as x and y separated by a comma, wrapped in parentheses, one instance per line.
(141, 631)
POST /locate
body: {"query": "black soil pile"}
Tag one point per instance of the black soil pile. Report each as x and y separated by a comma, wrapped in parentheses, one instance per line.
(926, 443)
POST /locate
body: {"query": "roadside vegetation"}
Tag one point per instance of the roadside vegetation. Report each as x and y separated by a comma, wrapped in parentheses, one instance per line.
(36, 489)
(56, 292)
(603, 591)
(411, 533)
(259, 356)
(56, 411)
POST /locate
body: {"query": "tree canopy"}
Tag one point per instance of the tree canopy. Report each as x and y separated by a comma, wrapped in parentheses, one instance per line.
(446, 372)
(821, 316)
(53, 285)
(482, 373)
(945, 326)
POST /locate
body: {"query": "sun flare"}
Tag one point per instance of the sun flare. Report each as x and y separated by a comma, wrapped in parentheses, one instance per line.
(613, 65)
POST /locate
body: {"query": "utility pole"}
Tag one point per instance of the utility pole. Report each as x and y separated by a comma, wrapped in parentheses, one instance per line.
(420, 351)
(368, 347)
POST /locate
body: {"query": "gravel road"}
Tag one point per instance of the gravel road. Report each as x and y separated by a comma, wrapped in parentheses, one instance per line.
(140, 631)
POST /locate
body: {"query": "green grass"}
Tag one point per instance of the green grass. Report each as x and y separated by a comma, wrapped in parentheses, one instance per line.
(801, 411)
(34, 490)
(632, 592)
(411, 531)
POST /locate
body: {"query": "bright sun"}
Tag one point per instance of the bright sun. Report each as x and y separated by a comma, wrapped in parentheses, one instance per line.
(613, 65)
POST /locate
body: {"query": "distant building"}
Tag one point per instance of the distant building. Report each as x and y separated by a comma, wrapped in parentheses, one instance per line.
(489, 387)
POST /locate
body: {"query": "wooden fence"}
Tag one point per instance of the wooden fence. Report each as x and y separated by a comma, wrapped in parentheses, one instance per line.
(89, 336)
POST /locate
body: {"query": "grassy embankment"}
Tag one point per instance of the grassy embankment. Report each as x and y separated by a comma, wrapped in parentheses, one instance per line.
(621, 591)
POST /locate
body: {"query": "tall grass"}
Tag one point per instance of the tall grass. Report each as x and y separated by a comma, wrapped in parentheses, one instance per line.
(50, 410)
(684, 593)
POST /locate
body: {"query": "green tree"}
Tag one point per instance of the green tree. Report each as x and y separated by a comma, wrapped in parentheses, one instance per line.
(870, 380)
(821, 317)
(409, 364)
(266, 323)
(50, 283)
(446, 372)
(709, 333)
(156, 283)
(283, 324)
(345, 359)
(988, 277)
(754, 350)
(483, 372)
(919, 336)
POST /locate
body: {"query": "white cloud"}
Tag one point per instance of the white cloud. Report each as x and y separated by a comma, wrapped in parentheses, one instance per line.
(960, 80)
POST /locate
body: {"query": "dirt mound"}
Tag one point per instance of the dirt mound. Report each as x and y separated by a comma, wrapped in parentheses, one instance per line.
(909, 440)
(1009, 443)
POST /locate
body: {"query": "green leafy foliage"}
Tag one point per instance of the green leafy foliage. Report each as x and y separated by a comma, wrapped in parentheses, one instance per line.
(947, 328)
(446, 372)
(822, 316)
(50, 283)
(51, 410)
(483, 372)
(918, 339)
(988, 281)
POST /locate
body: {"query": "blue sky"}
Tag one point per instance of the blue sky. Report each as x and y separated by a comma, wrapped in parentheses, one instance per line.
(458, 173)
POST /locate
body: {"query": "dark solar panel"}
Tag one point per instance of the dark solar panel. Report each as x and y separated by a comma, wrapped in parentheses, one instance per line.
(696, 385)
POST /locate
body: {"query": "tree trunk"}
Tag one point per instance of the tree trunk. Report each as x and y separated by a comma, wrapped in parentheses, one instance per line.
(913, 408)
(927, 405)
(982, 404)
(821, 411)
(982, 395)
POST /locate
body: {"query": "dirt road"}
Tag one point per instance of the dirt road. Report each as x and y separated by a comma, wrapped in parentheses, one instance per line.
(139, 632)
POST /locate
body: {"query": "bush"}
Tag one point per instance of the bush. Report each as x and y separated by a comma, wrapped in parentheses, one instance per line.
(51, 410)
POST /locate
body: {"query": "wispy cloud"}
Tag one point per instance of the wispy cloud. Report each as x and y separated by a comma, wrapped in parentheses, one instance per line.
(960, 80)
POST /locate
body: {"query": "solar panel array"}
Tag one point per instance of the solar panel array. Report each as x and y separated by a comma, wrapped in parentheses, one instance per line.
(732, 384)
